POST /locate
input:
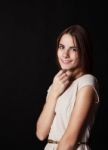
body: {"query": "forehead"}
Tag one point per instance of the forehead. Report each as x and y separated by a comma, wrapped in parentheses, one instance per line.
(68, 39)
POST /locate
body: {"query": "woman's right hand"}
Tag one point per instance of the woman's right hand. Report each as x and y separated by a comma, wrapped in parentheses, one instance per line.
(60, 82)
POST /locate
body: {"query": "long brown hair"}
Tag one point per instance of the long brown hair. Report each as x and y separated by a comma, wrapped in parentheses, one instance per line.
(83, 42)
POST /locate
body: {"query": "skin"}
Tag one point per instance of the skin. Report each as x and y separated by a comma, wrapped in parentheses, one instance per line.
(68, 53)
(69, 59)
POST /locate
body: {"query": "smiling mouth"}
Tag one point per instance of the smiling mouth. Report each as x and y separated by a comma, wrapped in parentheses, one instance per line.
(66, 61)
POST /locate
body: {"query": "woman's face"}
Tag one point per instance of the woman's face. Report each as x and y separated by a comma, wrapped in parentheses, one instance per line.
(68, 53)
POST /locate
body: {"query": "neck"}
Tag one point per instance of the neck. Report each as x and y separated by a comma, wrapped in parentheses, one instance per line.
(77, 73)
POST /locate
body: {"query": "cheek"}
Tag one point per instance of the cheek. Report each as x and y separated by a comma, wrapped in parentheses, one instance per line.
(58, 54)
(77, 56)
(74, 55)
(78, 59)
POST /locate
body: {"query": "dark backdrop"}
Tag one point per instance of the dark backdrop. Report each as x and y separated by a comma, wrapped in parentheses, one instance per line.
(28, 32)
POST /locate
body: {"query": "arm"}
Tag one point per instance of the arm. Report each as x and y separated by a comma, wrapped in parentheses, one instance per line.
(45, 120)
(84, 102)
(46, 117)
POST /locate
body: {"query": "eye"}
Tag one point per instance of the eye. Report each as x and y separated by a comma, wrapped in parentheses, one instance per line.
(61, 47)
(75, 49)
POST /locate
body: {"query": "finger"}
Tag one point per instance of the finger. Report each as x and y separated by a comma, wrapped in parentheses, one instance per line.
(66, 83)
(65, 79)
(63, 75)
(60, 73)
(69, 73)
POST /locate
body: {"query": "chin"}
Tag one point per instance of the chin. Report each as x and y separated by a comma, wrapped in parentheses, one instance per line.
(69, 67)
(65, 68)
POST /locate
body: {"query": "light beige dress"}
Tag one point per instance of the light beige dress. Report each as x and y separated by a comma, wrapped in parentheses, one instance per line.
(63, 110)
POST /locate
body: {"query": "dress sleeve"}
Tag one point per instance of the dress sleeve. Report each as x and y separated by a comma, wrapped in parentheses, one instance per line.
(90, 80)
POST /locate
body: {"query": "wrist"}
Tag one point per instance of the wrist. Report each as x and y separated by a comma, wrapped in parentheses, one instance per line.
(52, 97)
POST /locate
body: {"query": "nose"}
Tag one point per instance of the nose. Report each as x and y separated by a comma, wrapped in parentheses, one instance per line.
(66, 53)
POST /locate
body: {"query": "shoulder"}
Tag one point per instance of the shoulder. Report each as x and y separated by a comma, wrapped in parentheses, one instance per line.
(91, 82)
(87, 79)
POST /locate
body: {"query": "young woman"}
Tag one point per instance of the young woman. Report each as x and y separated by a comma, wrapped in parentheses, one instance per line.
(72, 99)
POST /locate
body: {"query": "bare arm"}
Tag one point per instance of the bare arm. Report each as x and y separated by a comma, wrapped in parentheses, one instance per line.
(46, 117)
(85, 100)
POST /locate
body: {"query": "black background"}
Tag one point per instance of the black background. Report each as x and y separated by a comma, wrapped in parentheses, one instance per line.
(28, 32)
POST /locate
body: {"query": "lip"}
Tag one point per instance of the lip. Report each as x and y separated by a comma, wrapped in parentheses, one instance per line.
(65, 61)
